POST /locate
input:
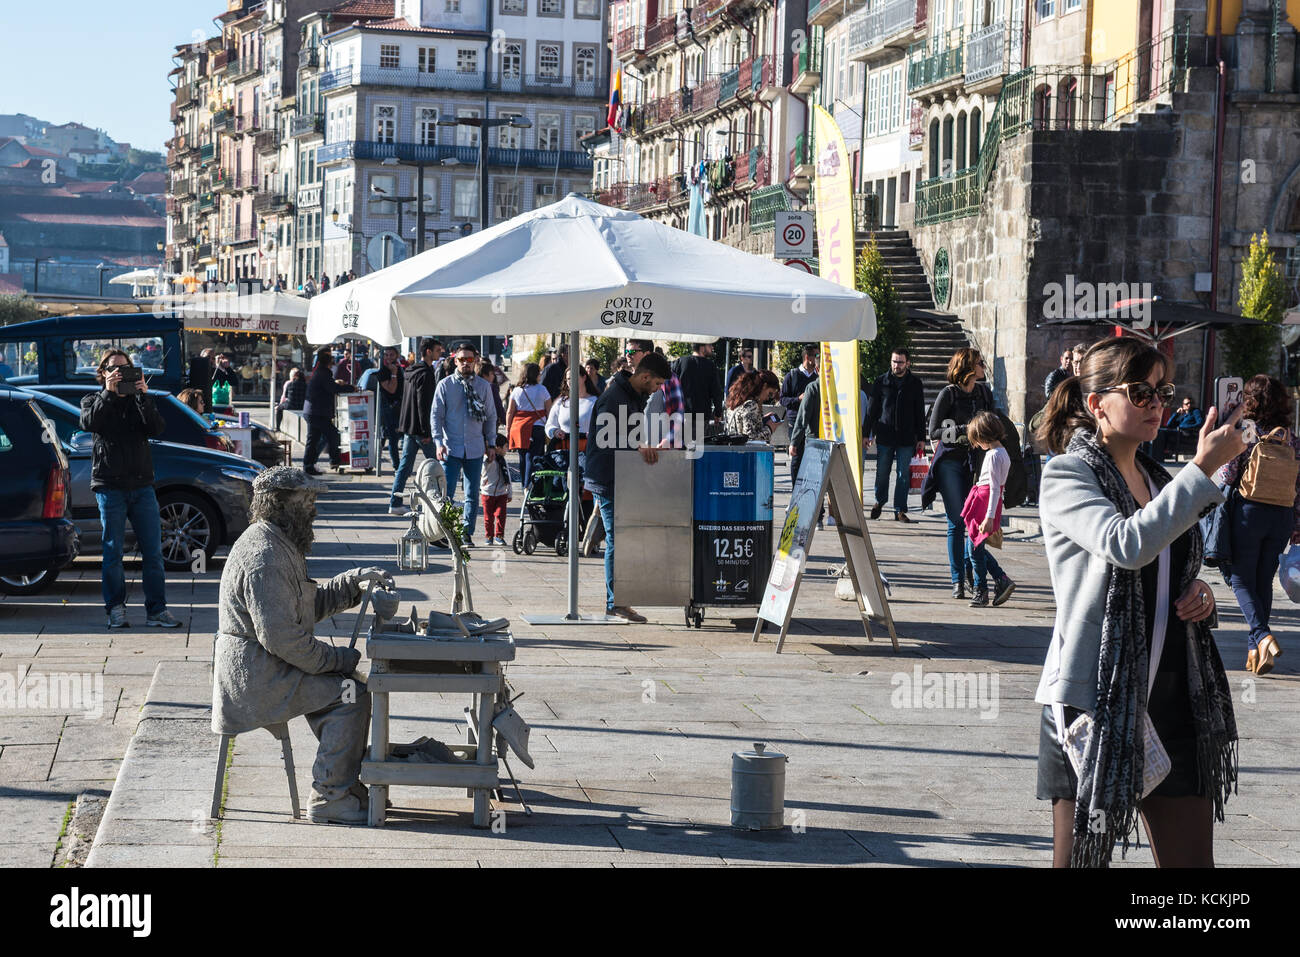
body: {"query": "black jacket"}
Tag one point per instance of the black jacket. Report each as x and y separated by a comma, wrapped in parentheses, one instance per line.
(701, 386)
(417, 400)
(599, 468)
(123, 426)
(321, 390)
(896, 410)
(295, 394)
(792, 386)
(553, 377)
(953, 409)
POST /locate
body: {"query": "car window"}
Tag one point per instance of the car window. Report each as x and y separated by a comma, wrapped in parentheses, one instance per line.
(66, 418)
(5, 444)
(81, 356)
(19, 359)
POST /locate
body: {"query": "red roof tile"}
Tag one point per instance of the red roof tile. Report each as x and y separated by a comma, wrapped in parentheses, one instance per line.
(363, 8)
(96, 186)
(401, 24)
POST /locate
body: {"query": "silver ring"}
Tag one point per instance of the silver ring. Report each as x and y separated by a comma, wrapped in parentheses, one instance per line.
(1204, 598)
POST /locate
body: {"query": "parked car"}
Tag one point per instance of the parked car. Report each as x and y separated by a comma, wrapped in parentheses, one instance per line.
(37, 537)
(203, 494)
(266, 447)
(184, 425)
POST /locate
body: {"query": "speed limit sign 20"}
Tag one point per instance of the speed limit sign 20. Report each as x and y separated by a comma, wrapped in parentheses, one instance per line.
(794, 234)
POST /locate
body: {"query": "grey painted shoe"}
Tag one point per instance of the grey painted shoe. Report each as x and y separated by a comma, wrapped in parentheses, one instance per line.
(117, 617)
(164, 619)
(344, 810)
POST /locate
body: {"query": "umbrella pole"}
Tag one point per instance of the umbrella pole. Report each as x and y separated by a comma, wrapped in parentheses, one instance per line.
(275, 341)
(575, 488)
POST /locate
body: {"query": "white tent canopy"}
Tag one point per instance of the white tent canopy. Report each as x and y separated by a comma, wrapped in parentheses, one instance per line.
(580, 268)
(577, 265)
(136, 277)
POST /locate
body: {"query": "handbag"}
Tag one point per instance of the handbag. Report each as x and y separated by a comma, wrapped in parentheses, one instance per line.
(1156, 763)
(1270, 474)
(918, 468)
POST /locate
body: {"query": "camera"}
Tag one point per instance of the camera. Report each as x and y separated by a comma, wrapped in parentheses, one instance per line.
(130, 375)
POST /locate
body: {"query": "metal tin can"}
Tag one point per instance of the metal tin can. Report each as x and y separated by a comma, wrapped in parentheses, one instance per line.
(758, 789)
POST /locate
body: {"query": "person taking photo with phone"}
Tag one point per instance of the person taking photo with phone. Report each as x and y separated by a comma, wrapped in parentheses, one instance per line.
(123, 418)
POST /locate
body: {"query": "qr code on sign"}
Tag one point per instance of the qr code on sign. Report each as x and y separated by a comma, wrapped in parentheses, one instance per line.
(731, 480)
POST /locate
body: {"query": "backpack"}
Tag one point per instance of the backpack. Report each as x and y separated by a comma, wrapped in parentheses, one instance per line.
(1016, 490)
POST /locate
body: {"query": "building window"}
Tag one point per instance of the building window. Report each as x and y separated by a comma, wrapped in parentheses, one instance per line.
(386, 124)
(895, 99)
(426, 130)
(584, 64)
(466, 199)
(543, 194)
(586, 8)
(512, 61)
(466, 60)
(390, 56)
(430, 195)
(548, 60)
(427, 58)
(583, 125)
(548, 131)
(506, 193)
(509, 137)
(514, 6)
(376, 205)
(1046, 9)
(550, 8)
(1071, 5)
(467, 135)
(453, 6)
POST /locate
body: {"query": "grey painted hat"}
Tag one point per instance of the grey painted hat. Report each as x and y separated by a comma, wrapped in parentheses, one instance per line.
(286, 478)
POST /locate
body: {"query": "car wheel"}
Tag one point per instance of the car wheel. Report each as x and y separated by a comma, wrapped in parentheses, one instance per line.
(28, 584)
(189, 523)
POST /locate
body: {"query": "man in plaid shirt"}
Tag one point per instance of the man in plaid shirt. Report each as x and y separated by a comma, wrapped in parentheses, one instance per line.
(667, 404)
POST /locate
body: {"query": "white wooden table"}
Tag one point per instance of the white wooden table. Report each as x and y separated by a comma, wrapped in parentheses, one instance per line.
(477, 668)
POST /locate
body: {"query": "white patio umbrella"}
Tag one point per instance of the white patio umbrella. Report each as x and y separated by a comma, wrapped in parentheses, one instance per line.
(578, 267)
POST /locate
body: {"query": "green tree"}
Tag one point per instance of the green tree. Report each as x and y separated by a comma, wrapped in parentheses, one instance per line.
(17, 309)
(873, 278)
(1250, 350)
(787, 355)
(676, 350)
(604, 349)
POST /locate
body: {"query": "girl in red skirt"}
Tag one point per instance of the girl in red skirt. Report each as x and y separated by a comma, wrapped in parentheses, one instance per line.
(982, 512)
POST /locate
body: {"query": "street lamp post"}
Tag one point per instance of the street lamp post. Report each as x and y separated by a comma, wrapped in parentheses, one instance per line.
(100, 269)
(36, 273)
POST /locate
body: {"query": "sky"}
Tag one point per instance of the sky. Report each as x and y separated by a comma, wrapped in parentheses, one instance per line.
(99, 63)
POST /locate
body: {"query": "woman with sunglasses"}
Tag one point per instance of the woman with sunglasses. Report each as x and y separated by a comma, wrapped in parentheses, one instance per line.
(956, 463)
(1131, 659)
(1261, 531)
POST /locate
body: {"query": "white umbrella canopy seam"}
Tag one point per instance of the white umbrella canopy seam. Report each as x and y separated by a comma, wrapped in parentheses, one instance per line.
(580, 268)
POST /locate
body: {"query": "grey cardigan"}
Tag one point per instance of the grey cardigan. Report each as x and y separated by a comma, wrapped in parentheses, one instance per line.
(1085, 536)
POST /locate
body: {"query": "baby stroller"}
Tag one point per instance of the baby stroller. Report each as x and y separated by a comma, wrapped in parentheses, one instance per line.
(543, 516)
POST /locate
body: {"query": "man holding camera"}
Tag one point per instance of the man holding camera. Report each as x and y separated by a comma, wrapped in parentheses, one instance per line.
(123, 418)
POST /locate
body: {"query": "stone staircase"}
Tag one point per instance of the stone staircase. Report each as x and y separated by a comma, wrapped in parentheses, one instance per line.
(935, 335)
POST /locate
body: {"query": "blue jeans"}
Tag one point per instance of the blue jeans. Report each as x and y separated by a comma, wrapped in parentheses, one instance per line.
(141, 507)
(1259, 535)
(954, 485)
(606, 506)
(901, 457)
(473, 469)
(410, 445)
(391, 437)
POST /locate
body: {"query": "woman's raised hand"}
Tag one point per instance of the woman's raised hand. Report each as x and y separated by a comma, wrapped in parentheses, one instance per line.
(1217, 445)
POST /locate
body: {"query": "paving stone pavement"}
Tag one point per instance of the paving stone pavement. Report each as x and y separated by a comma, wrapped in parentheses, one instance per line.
(633, 726)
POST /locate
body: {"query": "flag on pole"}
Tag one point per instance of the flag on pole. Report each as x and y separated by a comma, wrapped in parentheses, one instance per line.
(615, 101)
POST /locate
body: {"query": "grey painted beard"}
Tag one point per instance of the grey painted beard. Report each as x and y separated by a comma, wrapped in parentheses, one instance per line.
(293, 518)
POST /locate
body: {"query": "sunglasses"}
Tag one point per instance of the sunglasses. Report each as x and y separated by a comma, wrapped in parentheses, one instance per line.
(1141, 394)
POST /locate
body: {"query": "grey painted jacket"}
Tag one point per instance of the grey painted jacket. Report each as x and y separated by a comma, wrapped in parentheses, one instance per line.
(1085, 537)
(269, 665)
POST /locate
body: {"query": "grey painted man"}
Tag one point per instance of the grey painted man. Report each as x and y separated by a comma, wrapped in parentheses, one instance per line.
(269, 666)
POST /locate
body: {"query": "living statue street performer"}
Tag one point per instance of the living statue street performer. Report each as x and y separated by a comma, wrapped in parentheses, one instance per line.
(269, 667)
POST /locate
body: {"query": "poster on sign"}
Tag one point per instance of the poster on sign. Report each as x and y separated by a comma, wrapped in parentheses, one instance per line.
(824, 471)
(361, 422)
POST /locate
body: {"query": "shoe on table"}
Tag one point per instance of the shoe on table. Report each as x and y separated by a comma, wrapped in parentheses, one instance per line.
(629, 614)
(342, 810)
(902, 517)
(117, 617)
(164, 619)
(875, 511)
(1005, 586)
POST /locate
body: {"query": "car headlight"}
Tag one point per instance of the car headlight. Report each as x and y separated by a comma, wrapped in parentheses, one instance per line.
(244, 475)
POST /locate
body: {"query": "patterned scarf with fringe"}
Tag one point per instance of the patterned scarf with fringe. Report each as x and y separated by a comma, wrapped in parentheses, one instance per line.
(1110, 783)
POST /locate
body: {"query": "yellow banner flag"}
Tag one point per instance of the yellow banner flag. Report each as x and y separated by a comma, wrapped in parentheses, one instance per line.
(840, 387)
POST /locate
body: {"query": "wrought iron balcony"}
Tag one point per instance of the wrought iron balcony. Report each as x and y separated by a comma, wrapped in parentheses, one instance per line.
(207, 201)
(993, 51)
(248, 123)
(307, 124)
(243, 67)
(823, 13)
(221, 120)
(596, 86)
(946, 198)
(808, 64)
(371, 75)
(268, 202)
(185, 94)
(266, 140)
(891, 23)
(630, 40)
(663, 30)
(466, 156)
(207, 153)
(935, 61)
(222, 179)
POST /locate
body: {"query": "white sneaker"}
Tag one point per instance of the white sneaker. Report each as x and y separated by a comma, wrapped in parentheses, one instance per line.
(164, 619)
(117, 617)
(397, 510)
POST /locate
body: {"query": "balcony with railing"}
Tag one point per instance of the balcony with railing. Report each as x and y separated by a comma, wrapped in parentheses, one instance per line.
(808, 64)
(629, 40)
(541, 83)
(207, 201)
(222, 179)
(663, 30)
(367, 74)
(824, 13)
(205, 252)
(994, 51)
(307, 124)
(207, 152)
(185, 94)
(271, 202)
(936, 61)
(463, 155)
(890, 24)
(183, 187)
(172, 158)
(248, 122)
(245, 66)
(309, 59)
(266, 140)
(246, 179)
(221, 121)
(916, 129)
